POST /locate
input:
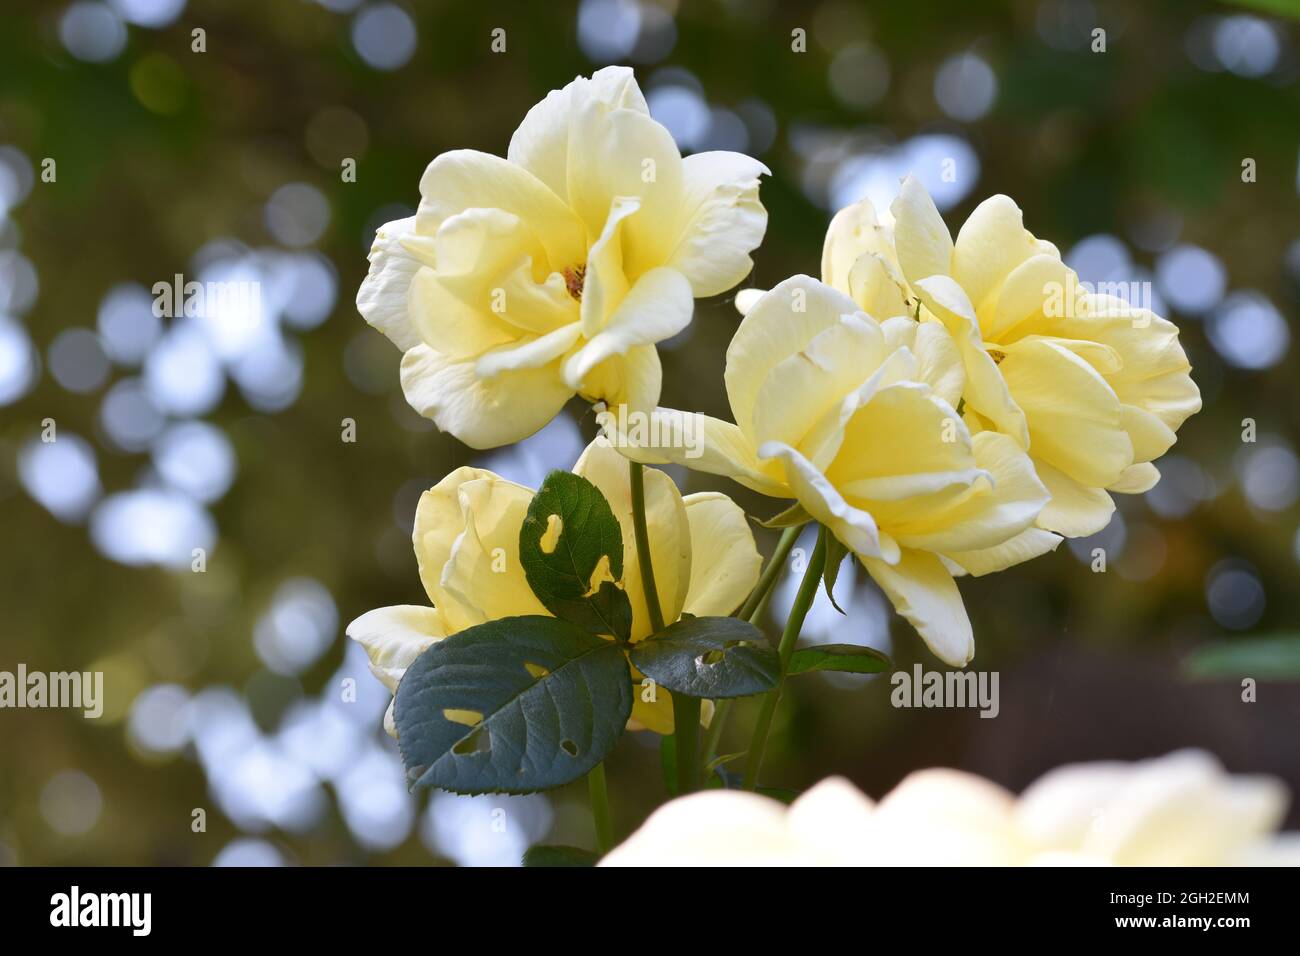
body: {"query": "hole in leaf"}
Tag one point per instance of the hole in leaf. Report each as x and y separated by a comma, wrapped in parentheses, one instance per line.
(569, 747)
(537, 670)
(717, 656)
(478, 742)
(551, 537)
(470, 718)
(599, 575)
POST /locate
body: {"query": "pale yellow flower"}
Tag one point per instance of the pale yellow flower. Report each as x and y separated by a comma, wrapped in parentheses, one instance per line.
(856, 419)
(467, 547)
(523, 281)
(1093, 387)
(1179, 810)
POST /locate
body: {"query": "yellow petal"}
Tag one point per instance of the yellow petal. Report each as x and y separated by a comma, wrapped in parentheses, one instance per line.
(924, 244)
(695, 441)
(483, 573)
(986, 391)
(1028, 544)
(876, 289)
(439, 521)
(1027, 291)
(657, 307)
(906, 458)
(725, 562)
(467, 179)
(1136, 479)
(1074, 416)
(1075, 510)
(462, 331)
(719, 221)
(382, 298)
(990, 244)
(482, 413)
(803, 387)
(394, 637)
(541, 143)
(626, 153)
(923, 591)
(780, 324)
(854, 232)
(939, 362)
(604, 281)
(853, 526)
(631, 380)
(990, 513)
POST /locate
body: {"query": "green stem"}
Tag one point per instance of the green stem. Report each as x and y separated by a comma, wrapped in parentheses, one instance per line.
(789, 637)
(721, 709)
(643, 548)
(600, 815)
(757, 599)
(686, 710)
(686, 728)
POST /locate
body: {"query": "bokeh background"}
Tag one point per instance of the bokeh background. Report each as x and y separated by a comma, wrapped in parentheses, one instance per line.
(224, 687)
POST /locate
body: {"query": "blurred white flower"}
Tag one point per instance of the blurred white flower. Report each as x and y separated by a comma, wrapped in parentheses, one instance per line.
(1178, 810)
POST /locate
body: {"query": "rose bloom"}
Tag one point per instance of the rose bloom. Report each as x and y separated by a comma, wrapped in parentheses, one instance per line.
(1179, 810)
(523, 281)
(856, 419)
(467, 548)
(1094, 387)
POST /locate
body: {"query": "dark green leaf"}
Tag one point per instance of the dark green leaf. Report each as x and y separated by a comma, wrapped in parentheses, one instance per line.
(559, 856)
(568, 534)
(835, 555)
(847, 658)
(553, 701)
(709, 657)
(794, 515)
(1274, 656)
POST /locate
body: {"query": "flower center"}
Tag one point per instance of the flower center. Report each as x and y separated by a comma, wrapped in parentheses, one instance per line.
(573, 279)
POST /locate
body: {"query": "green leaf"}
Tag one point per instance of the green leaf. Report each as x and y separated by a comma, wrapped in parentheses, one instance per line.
(835, 555)
(1274, 656)
(711, 657)
(571, 548)
(794, 515)
(559, 856)
(717, 762)
(846, 658)
(512, 706)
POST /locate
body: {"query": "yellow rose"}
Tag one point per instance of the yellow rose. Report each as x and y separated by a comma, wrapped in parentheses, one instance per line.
(1093, 387)
(467, 548)
(523, 281)
(857, 420)
(1179, 810)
